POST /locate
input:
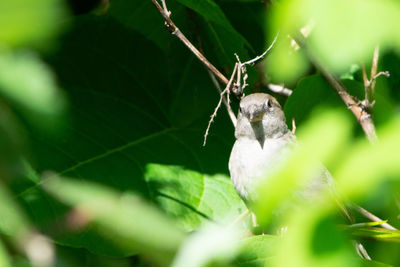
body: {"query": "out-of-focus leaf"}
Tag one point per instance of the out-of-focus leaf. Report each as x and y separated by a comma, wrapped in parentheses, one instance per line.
(29, 22)
(4, 258)
(320, 140)
(285, 64)
(137, 225)
(366, 224)
(363, 25)
(257, 251)
(210, 245)
(209, 197)
(12, 220)
(372, 263)
(315, 239)
(377, 233)
(28, 82)
(124, 116)
(365, 166)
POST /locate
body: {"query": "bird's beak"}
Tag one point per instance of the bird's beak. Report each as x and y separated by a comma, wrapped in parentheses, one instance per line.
(251, 117)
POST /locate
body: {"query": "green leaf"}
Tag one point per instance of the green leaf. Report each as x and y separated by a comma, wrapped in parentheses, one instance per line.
(4, 258)
(13, 221)
(212, 244)
(125, 216)
(124, 118)
(30, 84)
(321, 140)
(29, 22)
(377, 233)
(257, 251)
(226, 38)
(338, 45)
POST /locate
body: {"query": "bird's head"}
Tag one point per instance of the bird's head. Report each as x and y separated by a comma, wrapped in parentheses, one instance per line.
(260, 114)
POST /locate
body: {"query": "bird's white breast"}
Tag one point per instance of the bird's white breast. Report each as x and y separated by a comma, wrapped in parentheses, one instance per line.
(249, 162)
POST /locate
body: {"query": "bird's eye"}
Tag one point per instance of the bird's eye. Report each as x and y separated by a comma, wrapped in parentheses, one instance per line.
(240, 109)
(268, 104)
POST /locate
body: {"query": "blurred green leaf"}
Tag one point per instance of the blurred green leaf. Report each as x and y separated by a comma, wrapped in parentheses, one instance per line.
(366, 224)
(123, 118)
(28, 82)
(257, 251)
(13, 222)
(211, 245)
(365, 166)
(315, 239)
(320, 140)
(137, 224)
(4, 258)
(363, 25)
(285, 64)
(377, 233)
(25, 22)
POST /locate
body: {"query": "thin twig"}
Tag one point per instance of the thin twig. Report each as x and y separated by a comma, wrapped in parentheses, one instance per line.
(362, 252)
(374, 68)
(372, 217)
(293, 126)
(175, 31)
(254, 60)
(226, 91)
(225, 101)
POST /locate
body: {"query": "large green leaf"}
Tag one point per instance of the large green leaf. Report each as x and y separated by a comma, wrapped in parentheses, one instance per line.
(129, 121)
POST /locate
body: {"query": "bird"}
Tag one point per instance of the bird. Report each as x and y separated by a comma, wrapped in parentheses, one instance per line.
(263, 141)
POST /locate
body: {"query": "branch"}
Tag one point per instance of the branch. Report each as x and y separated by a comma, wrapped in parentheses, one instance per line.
(369, 84)
(226, 102)
(175, 31)
(254, 60)
(372, 217)
(226, 91)
(360, 112)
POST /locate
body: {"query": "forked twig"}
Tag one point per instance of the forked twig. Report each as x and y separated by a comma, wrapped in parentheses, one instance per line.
(226, 91)
(224, 100)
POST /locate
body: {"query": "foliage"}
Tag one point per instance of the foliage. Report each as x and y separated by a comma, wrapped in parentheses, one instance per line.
(102, 117)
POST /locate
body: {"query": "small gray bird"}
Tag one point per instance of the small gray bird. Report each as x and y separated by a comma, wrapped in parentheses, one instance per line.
(263, 140)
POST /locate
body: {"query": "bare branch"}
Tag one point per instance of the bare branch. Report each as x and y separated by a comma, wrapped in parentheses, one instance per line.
(165, 8)
(175, 31)
(372, 217)
(359, 111)
(254, 60)
(225, 100)
(226, 91)
(293, 126)
(384, 73)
